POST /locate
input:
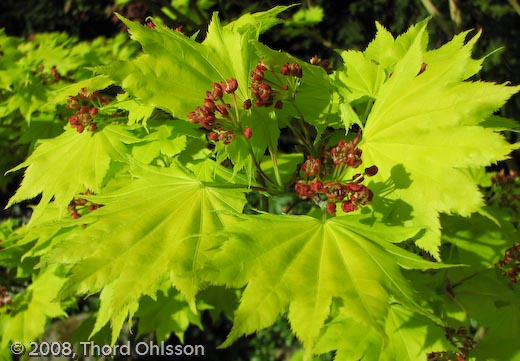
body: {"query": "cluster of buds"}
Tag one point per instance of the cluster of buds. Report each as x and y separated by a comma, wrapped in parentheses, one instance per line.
(225, 136)
(268, 92)
(350, 194)
(346, 153)
(461, 339)
(86, 105)
(323, 179)
(510, 264)
(51, 77)
(216, 114)
(324, 63)
(5, 300)
(80, 206)
(506, 188)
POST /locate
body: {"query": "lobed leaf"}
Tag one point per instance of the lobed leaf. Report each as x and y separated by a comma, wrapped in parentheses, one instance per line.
(429, 124)
(62, 167)
(300, 264)
(147, 231)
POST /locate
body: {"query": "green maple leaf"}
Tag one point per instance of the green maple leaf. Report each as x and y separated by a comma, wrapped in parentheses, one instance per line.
(493, 303)
(175, 71)
(481, 293)
(33, 308)
(409, 337)
(429, 124)
(147, 231)
(262, 20)
(478, 241)
(168, 140)
(314, 92)
(71, 163)
(301, 264)
(165, 313)
(137, 112)
(61, 94)
(365, 72)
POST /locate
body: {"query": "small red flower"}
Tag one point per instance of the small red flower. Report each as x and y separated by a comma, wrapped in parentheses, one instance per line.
(230, 86)
(248, 133)
(348, 206)
(331, 208)
(311, 166)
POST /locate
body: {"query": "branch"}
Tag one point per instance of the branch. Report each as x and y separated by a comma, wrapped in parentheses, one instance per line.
(515, 6)
(432, 10)
(455, 13)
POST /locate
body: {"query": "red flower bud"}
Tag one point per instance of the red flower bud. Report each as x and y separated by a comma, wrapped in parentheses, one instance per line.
(209, 104)
(223, 109)
(331, 208)
(72, 102)
(73, 120)
(285, 69)
(192, 116)
(84, 93)
(231, 86)
(348, 207)
(247, 104)
(311, 166)
(217, 91)
(226, 137)
(317, 186)
(248, 133)
(261, 66)
(371, 171)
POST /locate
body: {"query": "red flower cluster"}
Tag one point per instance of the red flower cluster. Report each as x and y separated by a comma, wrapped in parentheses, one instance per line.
(52, 77)
(87, 109)
(324, 63)
(324, 178)
(351, 194)
(214, 113)
(506, 189)
(265, 91)
(225, 136)
(346, 153)
(460, 339)
(79, 206)
(292, 69)
(510, 264)
(5, 300)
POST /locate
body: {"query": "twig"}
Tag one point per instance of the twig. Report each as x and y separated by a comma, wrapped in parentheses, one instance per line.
(455, 13)
(432, 10)
(515, 5)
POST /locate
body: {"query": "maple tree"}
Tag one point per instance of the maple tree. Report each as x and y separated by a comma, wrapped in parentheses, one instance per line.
(371, 236)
